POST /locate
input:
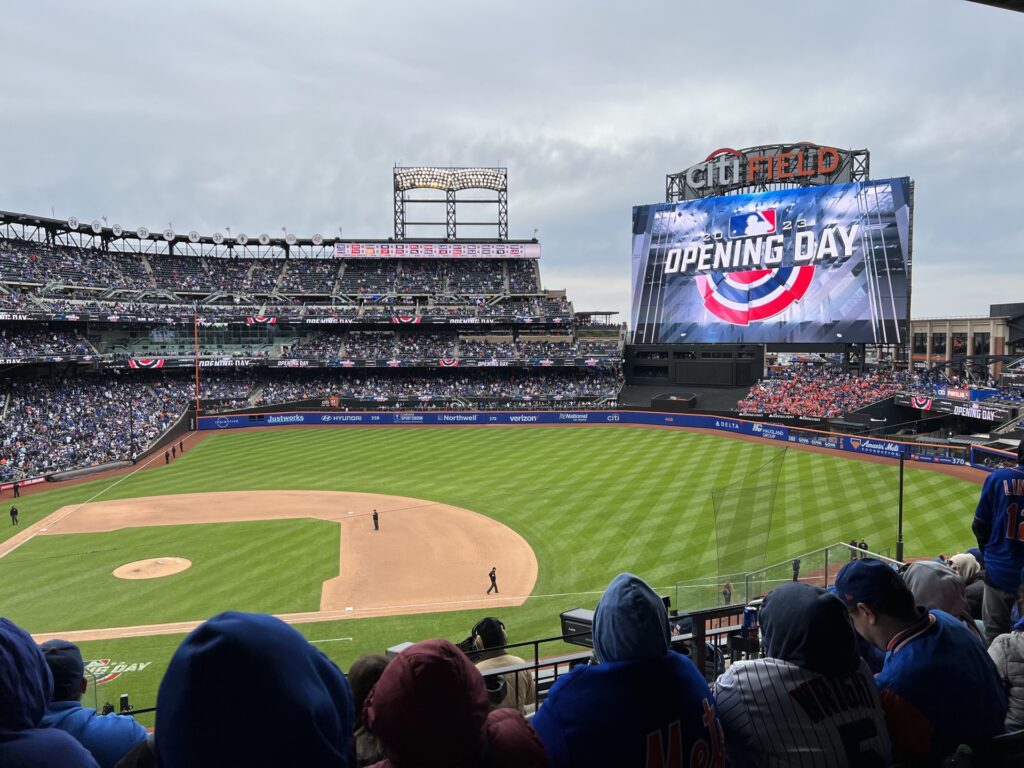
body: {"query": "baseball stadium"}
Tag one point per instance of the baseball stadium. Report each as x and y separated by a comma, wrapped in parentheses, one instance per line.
(395, 493)
(352, 435)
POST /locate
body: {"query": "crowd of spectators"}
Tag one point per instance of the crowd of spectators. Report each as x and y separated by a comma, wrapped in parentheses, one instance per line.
(309, 276)
(487, 350)
(534, 348)
(479, 386)
(823, 392)
(425, 346)
(370, 346)
(324, 345)
(228, 387)
(41, 341)
(49, 426)
(41, 263)
(335, 344)
(522, 276)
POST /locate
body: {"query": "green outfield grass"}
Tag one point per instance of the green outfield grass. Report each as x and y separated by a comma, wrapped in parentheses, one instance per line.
(591, 501)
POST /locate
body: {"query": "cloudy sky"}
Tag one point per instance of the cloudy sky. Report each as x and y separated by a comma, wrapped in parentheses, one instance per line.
(258, 115)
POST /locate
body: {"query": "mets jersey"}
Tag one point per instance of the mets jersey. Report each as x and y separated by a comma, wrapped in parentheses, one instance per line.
(778, 714)
(999, 515)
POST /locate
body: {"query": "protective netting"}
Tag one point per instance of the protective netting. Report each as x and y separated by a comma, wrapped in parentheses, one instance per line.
(743, 518)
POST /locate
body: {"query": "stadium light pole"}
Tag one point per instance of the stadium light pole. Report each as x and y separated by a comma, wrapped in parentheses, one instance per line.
(899, 524)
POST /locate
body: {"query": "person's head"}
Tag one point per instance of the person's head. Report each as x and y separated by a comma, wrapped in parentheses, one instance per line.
(363, 675)
(490, 634)
(429, 707)
(935, 585)
(247, 689)
(878, 600)
(67, 668)
(966, 566)
(808, 627)
(630, 622)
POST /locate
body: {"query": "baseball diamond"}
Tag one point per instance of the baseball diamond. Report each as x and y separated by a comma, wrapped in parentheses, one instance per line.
(574, 503)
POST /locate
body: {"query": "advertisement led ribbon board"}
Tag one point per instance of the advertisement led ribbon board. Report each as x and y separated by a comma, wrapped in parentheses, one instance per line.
(825, 264)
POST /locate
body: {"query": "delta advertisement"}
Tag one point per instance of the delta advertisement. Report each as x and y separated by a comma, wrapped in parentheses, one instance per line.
(826, 264)
(873, 446)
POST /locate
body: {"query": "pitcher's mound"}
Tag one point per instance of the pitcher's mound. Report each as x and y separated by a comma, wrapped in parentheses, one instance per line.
(153, 568)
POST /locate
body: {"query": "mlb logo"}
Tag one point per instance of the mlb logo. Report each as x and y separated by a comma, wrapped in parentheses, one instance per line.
(752, 223)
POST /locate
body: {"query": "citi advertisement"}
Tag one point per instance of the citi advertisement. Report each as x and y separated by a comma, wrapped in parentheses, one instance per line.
(826, 264)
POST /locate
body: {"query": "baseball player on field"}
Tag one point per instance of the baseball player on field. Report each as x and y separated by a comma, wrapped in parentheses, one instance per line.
(999, 528)
(810, 701)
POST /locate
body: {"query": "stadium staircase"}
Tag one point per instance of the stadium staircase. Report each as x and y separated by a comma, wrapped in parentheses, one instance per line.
(1009, 427)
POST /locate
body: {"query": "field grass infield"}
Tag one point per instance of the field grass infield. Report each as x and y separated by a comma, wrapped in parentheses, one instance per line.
(591, 502)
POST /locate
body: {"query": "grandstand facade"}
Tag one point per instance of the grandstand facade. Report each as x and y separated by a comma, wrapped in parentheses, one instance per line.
(94, 317)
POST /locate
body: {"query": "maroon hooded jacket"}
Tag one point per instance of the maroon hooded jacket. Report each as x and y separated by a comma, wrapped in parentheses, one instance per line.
(429, 709)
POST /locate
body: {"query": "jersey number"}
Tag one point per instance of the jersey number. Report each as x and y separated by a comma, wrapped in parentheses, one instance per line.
(853, 736)
(1014, 526)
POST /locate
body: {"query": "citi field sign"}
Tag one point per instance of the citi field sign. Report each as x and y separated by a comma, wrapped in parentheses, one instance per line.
(728, 170)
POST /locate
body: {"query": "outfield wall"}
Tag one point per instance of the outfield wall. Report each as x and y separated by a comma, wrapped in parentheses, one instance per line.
(890, 449)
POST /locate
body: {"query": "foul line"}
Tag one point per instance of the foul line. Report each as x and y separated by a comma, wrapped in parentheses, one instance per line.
(50, 522)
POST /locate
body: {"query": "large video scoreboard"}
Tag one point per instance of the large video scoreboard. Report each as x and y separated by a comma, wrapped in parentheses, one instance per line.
(826, 264)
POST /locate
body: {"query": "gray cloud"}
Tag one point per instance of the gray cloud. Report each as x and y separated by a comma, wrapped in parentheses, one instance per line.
(261, 114)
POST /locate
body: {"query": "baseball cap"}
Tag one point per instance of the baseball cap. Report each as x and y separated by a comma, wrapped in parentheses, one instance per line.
(65, 662)
(867, 581)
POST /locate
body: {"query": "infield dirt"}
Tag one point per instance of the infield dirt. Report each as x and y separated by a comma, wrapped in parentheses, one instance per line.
(426, 557)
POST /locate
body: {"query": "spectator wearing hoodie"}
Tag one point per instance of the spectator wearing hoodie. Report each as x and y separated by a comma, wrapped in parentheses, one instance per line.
(638, 700)
(25, 689)
(939, 587)
(1007, 651)
(247, 689)
(108, 737)
(811, 700)
(430, 710)
(928, 654)
(973, 575)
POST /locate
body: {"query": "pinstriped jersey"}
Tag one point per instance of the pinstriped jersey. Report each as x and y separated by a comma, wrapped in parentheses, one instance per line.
(778, 714)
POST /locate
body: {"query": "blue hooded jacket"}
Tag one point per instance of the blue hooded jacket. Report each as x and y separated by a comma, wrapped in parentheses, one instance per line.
(25, 688)
(108, 737)
(247, 689)
(641, 704)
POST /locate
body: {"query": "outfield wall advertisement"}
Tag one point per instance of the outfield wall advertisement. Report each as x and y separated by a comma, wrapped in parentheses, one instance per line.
(872, 446)
(824, 264)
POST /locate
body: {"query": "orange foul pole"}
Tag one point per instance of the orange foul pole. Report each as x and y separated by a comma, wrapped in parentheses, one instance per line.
(195, 346)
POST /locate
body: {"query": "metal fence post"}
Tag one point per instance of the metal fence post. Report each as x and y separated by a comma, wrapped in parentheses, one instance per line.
(826, 568)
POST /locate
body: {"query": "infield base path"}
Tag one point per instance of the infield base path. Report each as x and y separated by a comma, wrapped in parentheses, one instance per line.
(426, 557)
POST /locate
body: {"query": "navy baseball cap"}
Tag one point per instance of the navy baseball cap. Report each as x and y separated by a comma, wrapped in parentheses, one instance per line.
(65, 662)
(867, 581)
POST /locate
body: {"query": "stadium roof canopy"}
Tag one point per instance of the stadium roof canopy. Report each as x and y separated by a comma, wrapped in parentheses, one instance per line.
(1009, 5)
